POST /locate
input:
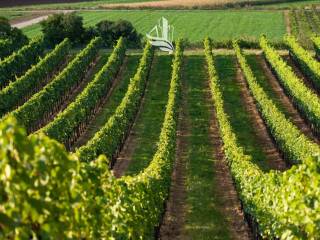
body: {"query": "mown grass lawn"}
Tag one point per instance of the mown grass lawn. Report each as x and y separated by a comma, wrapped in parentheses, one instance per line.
(195, 25)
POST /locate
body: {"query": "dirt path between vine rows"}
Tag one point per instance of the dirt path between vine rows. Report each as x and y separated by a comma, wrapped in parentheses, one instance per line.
(224, 185)
(300, 74)
(124, 158)
(84, 135)
(273, 156)
(174, 217)
(70, 96)
(287, 21)
(229, 206)
(296, 118)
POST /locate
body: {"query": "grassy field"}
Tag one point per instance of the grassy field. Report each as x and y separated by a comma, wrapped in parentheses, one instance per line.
(197, 24)
(11, 15)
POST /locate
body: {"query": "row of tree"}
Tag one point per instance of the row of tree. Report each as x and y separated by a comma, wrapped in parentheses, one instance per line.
(59, 26)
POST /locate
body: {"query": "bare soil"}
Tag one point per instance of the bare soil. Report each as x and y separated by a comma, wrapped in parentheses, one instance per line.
(299, 74)
(225, 189)
(296, 118)
(169, 4)
(68, 98)
(27, 17)
(33, 17)
(229, 204)
(287, 21)
(174, 218)
(30, 22)
(84, 136)
(273, 156)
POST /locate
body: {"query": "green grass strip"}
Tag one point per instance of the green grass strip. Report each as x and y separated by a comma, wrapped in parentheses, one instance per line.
(203, 218)
(149, 123)
(239, 119)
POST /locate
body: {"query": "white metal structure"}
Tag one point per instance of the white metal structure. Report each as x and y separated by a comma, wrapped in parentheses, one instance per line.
(162, 36)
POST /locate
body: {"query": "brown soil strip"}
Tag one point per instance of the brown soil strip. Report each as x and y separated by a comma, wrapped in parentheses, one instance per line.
(44, 82)
(174, 217)
(300, 75)
(168, 4)
(26, 18)
(225, 189)
(273, 156)
(33, 17)
(295, 117)
(287, 20)
(123, 159)
(68, 97)
(84, 137)
(229, 204)
(30, 22)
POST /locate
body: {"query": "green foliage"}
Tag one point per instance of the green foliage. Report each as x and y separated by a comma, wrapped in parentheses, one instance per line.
(305, 100)
(148, 123)
(71, 26)
(137, 201)
(285, 205)
(60, 26)
(35, 178)
(11, 38)
(17, 63)
(192, 24)
(111, 31)
(26, 85)
(47, 193)
(108, 139)
(304, 58)
(316, 45)
(44, 101)
(7, 47)
(63, 127)
(293, 143)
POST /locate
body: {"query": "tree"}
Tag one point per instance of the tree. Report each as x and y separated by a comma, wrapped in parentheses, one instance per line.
(73, 27)
(5, 28)
(59, 26)
(112, 31)
(125, 29)
(15, 35)
(104, 30)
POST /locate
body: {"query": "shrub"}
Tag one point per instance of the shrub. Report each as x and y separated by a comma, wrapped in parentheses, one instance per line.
(14, 35)
(60, 26)
(112, 31)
